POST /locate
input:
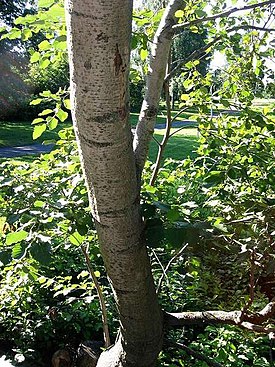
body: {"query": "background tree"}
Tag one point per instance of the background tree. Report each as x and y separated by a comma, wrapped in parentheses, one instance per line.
(13, 61)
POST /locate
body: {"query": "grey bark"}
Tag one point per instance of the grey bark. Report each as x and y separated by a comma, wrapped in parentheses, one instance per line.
(99, 48)
(154, 82)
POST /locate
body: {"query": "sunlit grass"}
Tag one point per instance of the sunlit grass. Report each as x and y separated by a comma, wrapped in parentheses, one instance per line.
(181, 145)
(20, 133)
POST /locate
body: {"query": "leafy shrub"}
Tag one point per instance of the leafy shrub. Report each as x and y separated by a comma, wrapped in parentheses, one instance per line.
(224, 345)
(47, 299)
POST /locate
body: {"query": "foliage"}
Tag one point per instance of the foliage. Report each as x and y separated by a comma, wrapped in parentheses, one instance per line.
(12, 9)
(214, 214)
(47, 299)
(226, 345)
(14, 92)
(52, 78)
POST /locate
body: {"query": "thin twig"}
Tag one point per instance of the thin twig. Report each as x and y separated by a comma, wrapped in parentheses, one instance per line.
(226, 13)
(178, 253)
(162, 268)
(156, 141)
(106, 333)
(179, 113)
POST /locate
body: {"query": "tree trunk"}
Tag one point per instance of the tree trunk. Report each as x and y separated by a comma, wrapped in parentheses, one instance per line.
(99, 47)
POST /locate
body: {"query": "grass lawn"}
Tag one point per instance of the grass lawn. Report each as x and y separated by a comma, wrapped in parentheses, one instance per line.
(20, 133)
(181, 144)
(162, 117)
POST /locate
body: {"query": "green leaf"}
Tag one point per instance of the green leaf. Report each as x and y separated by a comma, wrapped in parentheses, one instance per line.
(266, 110)
(83, 274)
(134, 41)
(26, 34)
(38, 131)
(162, 206)
(76, 239)
(194, 29)
(143, 54)
(225, 102)
(44, 63)
(15, 237)
(39, 204)
(56, 12)
(45, 3)
(5, 257)
(97, 273)
(14, 34)
(62, 45)
(52, 123)
(62, 115)
(47, 93)
(150, 189)
(179, 13)
(185, 97)
(41, 252)
(45, 112)
(42, 280)
(18, 251)
(62, 38)
(35, 57)
(20, 20)
(67, 103)
(36, 101)
(37, 121)
(44, 45)
(173, 215)
(200, 13)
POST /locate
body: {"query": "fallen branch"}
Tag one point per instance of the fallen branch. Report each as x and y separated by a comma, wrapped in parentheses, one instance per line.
(249, 321)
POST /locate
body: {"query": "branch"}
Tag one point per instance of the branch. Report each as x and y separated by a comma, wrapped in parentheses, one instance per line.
(202, 51)
(193, 353)
(179, 113)
(223, 14)
(167, 130)
(162, 268)
(242, 319)
(154, 83)
(156, 140)
(204, 317)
